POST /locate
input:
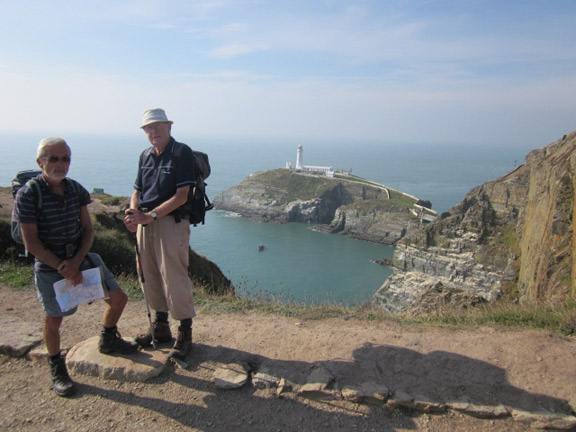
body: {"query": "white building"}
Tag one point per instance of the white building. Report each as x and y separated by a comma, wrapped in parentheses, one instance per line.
(328, 170)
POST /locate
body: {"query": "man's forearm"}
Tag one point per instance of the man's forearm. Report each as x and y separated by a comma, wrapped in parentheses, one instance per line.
(134, 200)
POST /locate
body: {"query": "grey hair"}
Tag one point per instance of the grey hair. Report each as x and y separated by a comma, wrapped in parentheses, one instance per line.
(46, 142)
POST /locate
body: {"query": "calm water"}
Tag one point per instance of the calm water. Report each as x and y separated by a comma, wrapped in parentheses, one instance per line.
(297, 263)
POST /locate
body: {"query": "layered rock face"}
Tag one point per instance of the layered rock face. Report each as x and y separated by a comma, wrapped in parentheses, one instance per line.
(512, 238)
(386, 227)
(362, 209)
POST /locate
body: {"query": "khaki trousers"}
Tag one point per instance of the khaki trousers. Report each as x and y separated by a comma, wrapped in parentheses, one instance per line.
(164, 251)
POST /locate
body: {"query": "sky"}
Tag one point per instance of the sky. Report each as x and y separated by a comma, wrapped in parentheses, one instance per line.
(497, 72)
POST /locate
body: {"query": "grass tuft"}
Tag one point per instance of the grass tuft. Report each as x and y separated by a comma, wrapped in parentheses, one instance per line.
(16, 275)
(560, 318)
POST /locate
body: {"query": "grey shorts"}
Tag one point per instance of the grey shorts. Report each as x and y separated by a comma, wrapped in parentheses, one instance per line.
(45, 285)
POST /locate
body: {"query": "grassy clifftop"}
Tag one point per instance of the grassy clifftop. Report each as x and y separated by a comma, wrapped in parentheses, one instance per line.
(286, 185)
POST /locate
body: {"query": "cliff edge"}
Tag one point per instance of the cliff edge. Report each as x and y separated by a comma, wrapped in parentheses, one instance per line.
(509, 238)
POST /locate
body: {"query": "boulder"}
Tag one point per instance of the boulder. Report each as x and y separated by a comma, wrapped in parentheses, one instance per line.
(85, 358)
(17, 336)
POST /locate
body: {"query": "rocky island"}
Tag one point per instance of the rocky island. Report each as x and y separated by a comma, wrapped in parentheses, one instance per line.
(341, 203)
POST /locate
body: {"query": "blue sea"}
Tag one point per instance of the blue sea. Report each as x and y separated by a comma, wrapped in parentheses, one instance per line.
(297, 264)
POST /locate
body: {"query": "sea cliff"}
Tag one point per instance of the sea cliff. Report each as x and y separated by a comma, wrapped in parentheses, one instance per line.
(343, 204)
(510, 238)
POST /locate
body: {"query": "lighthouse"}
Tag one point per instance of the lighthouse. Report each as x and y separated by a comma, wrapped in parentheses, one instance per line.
(299, 163)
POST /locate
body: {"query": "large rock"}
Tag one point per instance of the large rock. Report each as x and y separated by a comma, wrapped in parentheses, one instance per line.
(318, 384)
(231, 376)
(545, 419)
(84, 358)
(368, 392)
(17, 336)
(480, 411)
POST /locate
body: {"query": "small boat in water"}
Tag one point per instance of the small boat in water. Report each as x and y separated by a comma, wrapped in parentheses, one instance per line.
(260, 248)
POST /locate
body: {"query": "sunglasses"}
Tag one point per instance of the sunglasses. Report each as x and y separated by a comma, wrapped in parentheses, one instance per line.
(54, 159)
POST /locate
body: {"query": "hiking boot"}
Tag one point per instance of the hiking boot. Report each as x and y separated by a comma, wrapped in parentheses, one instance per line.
(62, 384)
(183, 344)
(112, 342)
(161, 331)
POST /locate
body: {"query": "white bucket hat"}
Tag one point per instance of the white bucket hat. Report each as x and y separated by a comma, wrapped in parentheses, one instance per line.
(155, 115)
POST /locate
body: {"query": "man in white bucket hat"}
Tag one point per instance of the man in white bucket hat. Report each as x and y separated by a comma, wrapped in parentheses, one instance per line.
(162, 231)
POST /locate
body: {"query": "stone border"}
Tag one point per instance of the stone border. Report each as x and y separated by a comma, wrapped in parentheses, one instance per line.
(320, 385)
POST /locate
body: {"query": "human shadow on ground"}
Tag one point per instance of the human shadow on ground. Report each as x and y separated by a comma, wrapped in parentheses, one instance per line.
(439, 375)
(445, 376)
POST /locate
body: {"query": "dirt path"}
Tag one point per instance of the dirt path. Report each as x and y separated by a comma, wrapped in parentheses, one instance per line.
(522, 369)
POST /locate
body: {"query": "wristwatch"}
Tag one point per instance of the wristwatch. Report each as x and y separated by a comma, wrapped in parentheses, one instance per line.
(154, 215)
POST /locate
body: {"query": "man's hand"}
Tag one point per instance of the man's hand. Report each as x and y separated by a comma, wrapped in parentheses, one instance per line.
(132, 218)
(71, 271)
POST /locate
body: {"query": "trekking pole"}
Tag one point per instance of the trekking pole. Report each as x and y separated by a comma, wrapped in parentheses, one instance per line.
(142, 282)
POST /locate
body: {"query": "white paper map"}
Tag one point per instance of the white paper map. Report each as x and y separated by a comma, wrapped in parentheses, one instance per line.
(69, 296)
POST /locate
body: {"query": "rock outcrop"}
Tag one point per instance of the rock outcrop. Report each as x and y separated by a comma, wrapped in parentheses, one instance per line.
(512, 237)
(345, 205)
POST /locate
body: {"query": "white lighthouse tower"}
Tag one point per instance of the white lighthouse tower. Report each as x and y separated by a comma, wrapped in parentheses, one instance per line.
(299, 163)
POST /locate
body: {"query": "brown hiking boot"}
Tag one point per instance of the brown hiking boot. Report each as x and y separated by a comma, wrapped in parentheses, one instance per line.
(183, 344)
(162, 334)
(113, 343)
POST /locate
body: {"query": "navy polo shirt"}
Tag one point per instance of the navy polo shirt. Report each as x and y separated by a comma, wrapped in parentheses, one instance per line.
(160, 175)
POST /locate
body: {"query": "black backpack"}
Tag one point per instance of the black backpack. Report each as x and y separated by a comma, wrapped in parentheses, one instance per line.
(198, 203)
(22, 178)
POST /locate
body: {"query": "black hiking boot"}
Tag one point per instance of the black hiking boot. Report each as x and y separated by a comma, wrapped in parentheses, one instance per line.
(183, 343)
(112, 342)
(62, 384)
(162, 334)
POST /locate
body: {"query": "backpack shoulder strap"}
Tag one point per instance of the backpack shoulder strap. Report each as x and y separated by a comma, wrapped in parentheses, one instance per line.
(75, 185)
(177, 150)
(33, 184)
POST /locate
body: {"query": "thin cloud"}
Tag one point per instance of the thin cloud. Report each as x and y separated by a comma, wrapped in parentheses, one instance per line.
(234, 50)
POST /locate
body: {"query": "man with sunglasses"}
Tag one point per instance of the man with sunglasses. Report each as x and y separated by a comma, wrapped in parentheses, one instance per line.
(165, 175)
(59, 234)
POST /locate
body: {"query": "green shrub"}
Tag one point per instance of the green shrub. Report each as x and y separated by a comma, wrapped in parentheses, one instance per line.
(114, 243)
(111, 200)
(17, 275)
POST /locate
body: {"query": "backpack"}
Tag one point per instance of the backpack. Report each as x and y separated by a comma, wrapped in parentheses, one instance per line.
(198, 203)
(24, 178)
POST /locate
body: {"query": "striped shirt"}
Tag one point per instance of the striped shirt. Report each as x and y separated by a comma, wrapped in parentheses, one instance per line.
(58, 220)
